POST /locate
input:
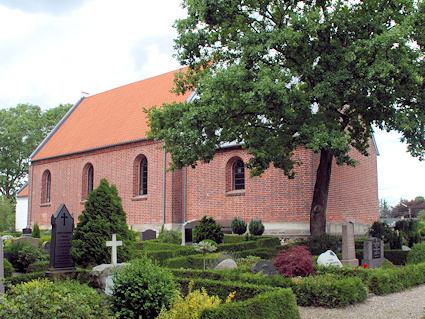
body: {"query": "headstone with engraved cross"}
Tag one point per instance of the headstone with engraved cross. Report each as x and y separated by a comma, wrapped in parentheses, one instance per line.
(60, 249)
(114, 244)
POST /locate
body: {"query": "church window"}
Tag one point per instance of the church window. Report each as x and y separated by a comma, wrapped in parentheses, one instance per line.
(46, 187)
(143, 180)
(238, 175)
(90, 180)
(87, 182)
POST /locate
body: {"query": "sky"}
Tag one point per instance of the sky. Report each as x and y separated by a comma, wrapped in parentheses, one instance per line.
(52, 50)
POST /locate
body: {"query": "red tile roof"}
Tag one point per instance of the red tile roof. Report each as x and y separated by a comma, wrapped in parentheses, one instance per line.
(112, 117)
(23, 191)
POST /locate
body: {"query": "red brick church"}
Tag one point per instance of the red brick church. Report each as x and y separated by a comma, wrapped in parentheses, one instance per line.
(104, 136)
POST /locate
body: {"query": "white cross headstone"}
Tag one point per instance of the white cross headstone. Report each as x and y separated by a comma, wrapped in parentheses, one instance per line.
(114, 244)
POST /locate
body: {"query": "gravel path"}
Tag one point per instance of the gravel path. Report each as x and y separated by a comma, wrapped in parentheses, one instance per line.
(408, 304)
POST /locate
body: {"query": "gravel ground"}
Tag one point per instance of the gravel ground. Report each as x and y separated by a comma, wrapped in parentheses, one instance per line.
(408, 304)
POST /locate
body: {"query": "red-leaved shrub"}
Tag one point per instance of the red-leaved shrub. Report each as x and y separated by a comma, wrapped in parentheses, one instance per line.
(296, 261)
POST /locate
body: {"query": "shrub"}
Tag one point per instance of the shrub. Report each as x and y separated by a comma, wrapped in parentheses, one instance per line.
(24, 253)
(141, 289)
(409, 230)
(208, 228)
(256, 227)
(395, 240)
(44, 299)
(190, 306)
(380, 230)
(102, 217)
(318, 244)
(417, 254)
(387, 264)
(296, 261)
(170, 236)
(204, 247)
(39, 266)
(8, 268)
(42, 239)
(247, 262)
(238, 226)
(398, 257)
(36, 231)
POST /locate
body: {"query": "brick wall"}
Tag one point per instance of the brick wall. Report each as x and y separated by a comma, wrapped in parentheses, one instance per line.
(273, 197)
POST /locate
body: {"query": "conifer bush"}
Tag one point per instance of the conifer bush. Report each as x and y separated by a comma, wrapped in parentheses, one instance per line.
(318, 244)
(256, 227)
(208, 228)
(22, 254)
(102, 217)
(238, 226)
(36, 231)
(141, 289)
(417, 254)
(296, 261)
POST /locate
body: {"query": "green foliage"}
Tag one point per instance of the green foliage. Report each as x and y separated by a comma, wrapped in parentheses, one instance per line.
(141, 289)
(318, 244)
(102, 217)
(7, 213)
(23, 128)
(338, 273)
(238, 226)
(44, 299)
(409, 230)
(205, 247)
(380, 230)
(421, 215)
(23, 253)
(395, 240)
(329, 292)
(280, 304)
(36, 231)
(398, 257)
(256, 227)
(246, 263)
(8, 268)
(387, 264)
(42, 239)
(417, 254)
(170, 236)
(310, 66)
(295, 261)
(39, 266)
(190, 306)
(208, 228)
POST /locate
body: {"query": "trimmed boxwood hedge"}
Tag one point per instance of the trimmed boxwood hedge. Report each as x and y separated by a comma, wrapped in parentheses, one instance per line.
(39, 266)
(279, 304)
(397, 257)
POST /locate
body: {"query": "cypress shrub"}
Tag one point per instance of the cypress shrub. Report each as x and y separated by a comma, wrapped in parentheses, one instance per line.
(36, 231)
(238, 226)
(256, 227)
(208, 228)
(102, 217)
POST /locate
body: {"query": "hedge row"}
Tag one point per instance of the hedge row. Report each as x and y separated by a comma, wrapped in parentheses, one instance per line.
(39, 266)
(279, 304)
(385, 281)
(250, 245)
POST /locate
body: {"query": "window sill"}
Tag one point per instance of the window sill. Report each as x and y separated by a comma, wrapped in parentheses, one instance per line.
(139, 198)
(46, 205)
(239, 192)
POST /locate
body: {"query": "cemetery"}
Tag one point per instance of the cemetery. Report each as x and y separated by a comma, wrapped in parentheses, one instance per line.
(98, 268)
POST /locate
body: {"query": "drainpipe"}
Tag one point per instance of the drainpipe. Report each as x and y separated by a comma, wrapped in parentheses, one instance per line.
(30, 196)
(164, 191)
(185, 196)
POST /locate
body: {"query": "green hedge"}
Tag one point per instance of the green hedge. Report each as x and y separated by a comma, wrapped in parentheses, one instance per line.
(280, 304)
(329, 292)
(8, 268)
(385, 281)
(12, 281)
(231, 239)
(344, 272)
(398, 257)
(156, 246)
(187, 262)
(39, 266)
(222, 289)
(263, 253)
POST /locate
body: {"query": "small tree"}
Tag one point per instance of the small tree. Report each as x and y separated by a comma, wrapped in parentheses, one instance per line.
(36, 231)
(296, 261)
(238, 226)
(208, 228)
(204, 247)
(102, 217)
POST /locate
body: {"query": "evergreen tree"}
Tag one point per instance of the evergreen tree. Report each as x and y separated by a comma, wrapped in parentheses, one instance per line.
(102, 217)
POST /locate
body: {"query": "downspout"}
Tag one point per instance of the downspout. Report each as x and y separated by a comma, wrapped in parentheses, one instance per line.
(185, 195)
(164, 192)
(30, 197)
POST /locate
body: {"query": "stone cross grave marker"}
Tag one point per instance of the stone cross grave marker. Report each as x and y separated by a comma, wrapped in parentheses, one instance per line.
(60, 248)
(1, 266)
(373, 253)
(348, 247)
(114, 244)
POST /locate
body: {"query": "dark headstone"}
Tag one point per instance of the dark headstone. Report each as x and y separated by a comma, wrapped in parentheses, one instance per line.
(373, 255)
(26, 232)
(147, 234)
(265, 266)
(62, 228)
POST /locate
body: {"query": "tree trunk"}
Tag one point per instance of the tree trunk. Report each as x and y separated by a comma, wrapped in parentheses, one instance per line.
(320, 196)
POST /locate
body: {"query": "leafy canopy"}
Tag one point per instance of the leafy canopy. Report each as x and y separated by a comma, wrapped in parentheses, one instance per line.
(276, 75)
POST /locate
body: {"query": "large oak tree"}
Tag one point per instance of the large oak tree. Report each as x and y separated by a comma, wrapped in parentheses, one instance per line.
(277, 75)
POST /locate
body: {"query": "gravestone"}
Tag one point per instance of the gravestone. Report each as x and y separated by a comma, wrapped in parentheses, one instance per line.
(114, 243)
(348, 247)
(26, 232)
(329, 258)
(101, 277)
(226, 264)
(147, 234)
(29, 239)
(46, 246)
(60, 247)
(187, 232)
(373, 254)
(265, 266)
(1, 266)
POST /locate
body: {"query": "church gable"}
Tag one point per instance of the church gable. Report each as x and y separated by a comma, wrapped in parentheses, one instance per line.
(109, 118)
